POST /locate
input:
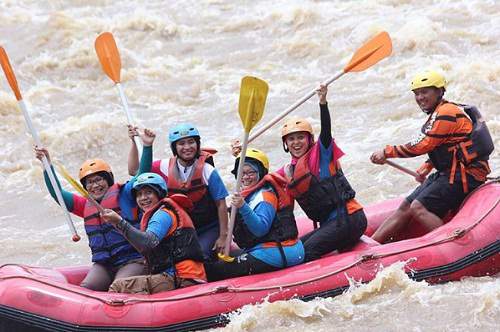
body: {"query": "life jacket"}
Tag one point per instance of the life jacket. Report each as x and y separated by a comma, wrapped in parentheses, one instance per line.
(475, 147)
(106, 243)
(204, 210)
(178, 245)
(318, 198)
(283, 227)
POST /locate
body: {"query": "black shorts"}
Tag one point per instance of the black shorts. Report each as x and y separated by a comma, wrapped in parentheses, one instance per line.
(243, 265)
(438, 196)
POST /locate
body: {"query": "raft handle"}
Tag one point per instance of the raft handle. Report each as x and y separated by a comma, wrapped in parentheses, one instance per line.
(221, 289)
(459, 232)
(116, 302)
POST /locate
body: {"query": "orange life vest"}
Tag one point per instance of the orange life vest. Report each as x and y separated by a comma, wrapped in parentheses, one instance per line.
(475, 147)
(318, 198)
(284, 227)
(180, 247)
(204, 210)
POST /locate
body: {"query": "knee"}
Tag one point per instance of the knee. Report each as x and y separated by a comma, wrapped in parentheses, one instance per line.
(404, 206)
(417, 209)
(95, 286)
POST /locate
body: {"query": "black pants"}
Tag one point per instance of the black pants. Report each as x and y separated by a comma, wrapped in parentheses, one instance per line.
(242, 265)
(438, 196)
(340, 233)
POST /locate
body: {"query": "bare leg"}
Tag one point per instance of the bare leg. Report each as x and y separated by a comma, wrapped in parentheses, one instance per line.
(394, 224)
(426, 218)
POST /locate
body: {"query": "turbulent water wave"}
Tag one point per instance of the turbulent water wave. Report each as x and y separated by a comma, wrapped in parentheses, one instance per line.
(183, 61)
(390, 302)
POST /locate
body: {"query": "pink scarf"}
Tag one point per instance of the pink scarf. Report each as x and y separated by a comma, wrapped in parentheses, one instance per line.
(313, 162)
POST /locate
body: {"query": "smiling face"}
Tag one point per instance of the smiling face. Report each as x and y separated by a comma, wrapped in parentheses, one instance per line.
(96, 186)
(428, 98)
(146, 198)
(249, 176)
(186, 148)
(297, 143)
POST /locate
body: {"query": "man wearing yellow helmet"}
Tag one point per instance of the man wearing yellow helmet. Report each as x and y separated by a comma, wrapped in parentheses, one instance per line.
(265, 227)
(458, 144)
(112, 256)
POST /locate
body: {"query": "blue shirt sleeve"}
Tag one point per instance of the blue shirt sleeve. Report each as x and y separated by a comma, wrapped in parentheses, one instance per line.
(324, 161)
(160, 223)
(260, 219)
(216, 187)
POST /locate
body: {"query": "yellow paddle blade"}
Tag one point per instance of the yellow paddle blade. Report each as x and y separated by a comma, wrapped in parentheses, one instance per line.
(227, 259)
(253, 94)
(75, 184)
(370, 53)
(109, 57)
(9, 73)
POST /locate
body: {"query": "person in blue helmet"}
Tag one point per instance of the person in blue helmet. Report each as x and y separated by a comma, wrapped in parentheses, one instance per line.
(166, 238)
(191, 172)
(112, 256)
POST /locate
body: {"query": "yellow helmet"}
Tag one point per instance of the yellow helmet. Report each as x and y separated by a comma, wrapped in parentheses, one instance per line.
(427, 79)
(253, 154)
(294, 125)
(258, 155)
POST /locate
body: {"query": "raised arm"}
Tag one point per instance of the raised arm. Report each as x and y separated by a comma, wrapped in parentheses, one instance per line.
(148, 137)
(133, 155)
(73, 202)
(325, 135)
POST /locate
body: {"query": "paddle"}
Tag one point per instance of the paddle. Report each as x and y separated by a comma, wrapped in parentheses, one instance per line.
(109, 57)
(253, 94)
(369, 54)
(402, 168)
(78, 187)
(11, 78)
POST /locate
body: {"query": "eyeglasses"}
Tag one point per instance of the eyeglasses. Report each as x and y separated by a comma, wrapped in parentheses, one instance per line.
(95, 180)
(249, 174)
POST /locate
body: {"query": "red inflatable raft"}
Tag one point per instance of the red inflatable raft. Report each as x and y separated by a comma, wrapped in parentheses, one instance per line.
(34, 298)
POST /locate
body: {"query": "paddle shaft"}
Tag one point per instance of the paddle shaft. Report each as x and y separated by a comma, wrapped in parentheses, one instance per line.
(48, 169)
(234, 209)
(280, 116)
(401, 168)
(77, 186)
(129, 117)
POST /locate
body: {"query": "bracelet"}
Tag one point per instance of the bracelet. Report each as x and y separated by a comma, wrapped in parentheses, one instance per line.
(122, 224)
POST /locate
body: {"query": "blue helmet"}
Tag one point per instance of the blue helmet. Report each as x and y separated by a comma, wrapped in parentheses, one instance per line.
(181, 131)
(152, 180)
